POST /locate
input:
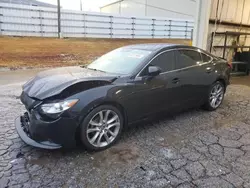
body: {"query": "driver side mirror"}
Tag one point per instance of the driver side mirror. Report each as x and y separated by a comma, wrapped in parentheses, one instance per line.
(154, 70)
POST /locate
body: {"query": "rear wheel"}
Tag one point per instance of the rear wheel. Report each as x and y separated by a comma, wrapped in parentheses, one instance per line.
(215, 96)
(101, 128)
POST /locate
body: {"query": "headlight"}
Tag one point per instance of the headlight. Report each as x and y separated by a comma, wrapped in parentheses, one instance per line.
(55, 108)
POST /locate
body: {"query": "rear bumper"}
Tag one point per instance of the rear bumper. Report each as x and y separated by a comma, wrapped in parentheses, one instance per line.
(23, 135)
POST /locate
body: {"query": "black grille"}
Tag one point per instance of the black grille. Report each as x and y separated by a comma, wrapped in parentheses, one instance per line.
(25, 121)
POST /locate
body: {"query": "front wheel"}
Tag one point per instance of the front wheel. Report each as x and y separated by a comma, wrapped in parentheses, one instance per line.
(215, 96)
(101, 128)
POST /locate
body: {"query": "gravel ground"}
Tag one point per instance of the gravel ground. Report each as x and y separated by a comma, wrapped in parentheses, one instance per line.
(191, 149)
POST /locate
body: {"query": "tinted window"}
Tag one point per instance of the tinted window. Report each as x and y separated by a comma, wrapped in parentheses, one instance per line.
(187, 58)
(122, 60)
(165, 61)
(205, 58)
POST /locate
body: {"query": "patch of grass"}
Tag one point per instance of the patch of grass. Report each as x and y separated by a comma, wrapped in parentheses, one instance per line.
(17, 52)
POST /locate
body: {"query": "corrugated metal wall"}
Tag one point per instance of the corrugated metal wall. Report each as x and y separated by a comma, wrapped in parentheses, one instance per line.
(230, 11)
(21, 20)
(184, 9)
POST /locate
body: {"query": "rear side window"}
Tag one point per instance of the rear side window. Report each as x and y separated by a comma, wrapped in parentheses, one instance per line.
(206, 58)
(187, 58)
(165, 61)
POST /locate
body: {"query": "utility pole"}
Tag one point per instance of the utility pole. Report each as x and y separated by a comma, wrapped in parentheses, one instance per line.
(80, 5)
(59, 18)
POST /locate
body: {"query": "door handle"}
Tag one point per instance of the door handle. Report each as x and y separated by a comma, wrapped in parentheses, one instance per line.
(209, 69)
(175, 80)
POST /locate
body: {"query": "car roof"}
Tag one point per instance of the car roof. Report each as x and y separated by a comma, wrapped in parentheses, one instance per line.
(157, 46)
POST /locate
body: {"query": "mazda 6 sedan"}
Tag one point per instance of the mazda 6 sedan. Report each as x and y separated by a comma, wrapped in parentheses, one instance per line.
(95, 103)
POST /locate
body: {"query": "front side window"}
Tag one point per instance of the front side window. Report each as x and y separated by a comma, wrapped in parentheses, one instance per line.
(165, 61)
(187, 58)
(120, 61)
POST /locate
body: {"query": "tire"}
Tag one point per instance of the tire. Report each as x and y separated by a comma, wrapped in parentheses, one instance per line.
(96, 125)
(210, 105)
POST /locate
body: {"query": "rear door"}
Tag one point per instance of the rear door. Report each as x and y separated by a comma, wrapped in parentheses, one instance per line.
(190, 73)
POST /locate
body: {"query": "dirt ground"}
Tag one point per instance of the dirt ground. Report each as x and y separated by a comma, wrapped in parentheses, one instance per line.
(241, 80)
(17, 52)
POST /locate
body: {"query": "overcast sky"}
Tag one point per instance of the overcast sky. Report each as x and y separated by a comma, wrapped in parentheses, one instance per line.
(88, 5)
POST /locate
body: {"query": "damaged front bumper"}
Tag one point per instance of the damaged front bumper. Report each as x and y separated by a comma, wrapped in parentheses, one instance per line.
(22, 127)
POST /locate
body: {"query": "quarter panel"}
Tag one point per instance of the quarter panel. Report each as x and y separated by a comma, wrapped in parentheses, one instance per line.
(223, 71)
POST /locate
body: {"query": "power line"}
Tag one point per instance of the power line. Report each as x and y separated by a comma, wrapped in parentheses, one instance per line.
(81, 5)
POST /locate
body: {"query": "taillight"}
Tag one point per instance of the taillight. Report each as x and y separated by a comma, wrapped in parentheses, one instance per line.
(230, 65)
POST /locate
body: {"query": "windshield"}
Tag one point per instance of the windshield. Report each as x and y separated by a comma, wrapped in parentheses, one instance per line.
(121, 61)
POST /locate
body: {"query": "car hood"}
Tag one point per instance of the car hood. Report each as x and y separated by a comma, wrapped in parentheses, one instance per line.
(52, 82)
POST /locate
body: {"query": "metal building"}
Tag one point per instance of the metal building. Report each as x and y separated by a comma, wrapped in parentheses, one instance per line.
(29, 2)
(181, 9)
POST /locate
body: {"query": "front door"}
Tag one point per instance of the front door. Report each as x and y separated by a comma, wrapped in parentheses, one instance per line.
(154, 94)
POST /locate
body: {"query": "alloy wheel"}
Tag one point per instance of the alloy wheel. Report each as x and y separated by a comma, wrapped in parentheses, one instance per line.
(216, 95)
(103, 128)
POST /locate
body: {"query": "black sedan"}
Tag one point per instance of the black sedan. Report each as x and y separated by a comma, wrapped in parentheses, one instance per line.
(95, 103)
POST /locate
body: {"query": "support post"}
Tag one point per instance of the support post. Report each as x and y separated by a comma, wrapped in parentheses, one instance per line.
(41, 22)
(84, 24)
(170, 28)
(211, 42)
(1, 16)
(59, 18)
(224, 47)
(133, 27)
(0, 24)
(153, 28)
(192, 36)
(111, 26)
(201, 23)
(186, 30)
